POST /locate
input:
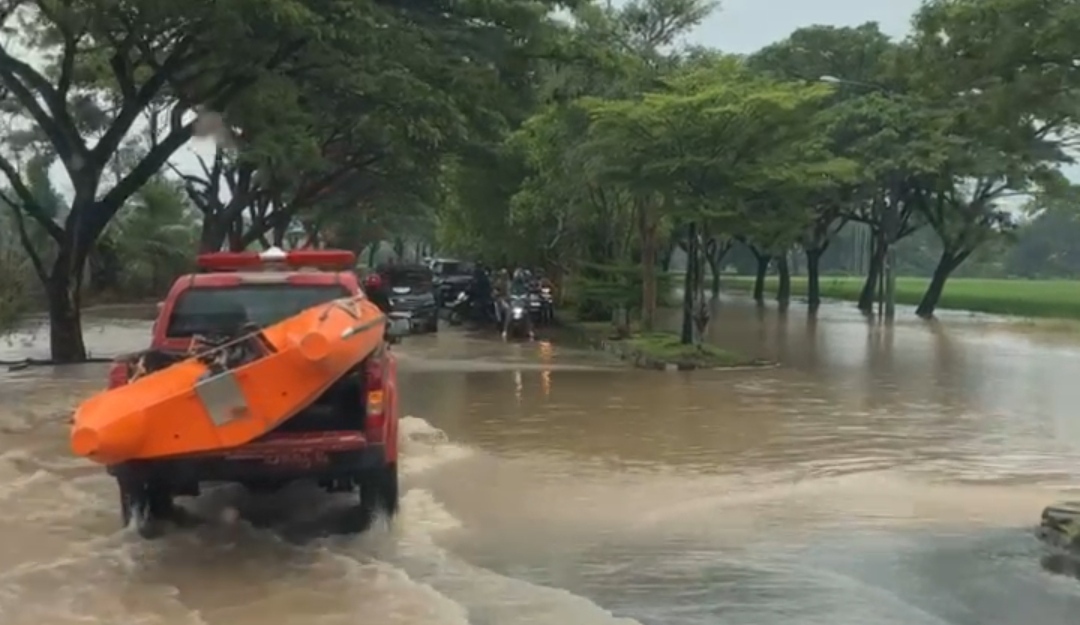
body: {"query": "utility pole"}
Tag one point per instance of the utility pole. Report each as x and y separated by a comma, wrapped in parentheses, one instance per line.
(891, 227)
(890, 283)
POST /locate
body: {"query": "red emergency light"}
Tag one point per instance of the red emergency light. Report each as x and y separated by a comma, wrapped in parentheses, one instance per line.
(275, 258)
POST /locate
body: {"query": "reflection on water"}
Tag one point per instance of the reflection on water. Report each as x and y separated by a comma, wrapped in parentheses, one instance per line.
(882, 474)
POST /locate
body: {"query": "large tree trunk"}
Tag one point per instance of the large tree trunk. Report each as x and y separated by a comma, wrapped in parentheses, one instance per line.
(647, 231)
(279, 231)
(947, 264)
(689, 283)
(870, 287)
(213, 234)
(236, 235)
(783, 291)
(759, 277)
(65, 320)
(714, 273)
(715, 252)
(813, 279)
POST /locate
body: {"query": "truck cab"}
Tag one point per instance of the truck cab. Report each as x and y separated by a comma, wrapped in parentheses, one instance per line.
(346, 441)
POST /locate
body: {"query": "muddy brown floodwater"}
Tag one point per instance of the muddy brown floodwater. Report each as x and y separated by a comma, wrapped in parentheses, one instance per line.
(880, 476)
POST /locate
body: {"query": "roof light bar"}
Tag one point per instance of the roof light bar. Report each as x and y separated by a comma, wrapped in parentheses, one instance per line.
(276, 258)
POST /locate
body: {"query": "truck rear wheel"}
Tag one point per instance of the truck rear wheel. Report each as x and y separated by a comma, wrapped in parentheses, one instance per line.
(379, 496)
(149, 506)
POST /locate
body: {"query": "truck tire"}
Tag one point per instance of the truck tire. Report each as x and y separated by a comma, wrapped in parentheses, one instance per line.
(379, 496)
(147, 506)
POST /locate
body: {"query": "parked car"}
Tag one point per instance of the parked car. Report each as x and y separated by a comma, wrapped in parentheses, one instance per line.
(451, 278)
(345, 441)
(411, 289)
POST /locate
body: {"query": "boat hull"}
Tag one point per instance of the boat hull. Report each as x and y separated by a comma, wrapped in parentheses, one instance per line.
(200, 405)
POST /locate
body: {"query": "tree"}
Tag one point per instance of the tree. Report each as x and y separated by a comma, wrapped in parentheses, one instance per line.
(534, 193)
(858, 58)
(113, 63)
(1010, 117)
(718, 137)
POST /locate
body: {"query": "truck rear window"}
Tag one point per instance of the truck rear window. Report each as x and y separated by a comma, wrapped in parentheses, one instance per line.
(452, 268)
(209, 310)
(413, 278)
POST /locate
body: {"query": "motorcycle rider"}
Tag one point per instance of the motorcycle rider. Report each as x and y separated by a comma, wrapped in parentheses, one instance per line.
(375, 291)
(501, 290)
(480, 290)
(544, 283)
(519, 287)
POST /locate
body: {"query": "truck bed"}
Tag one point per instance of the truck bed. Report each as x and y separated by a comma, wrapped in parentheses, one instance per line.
(340, 408)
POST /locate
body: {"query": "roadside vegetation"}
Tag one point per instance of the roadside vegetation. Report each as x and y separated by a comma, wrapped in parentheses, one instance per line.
(579, 137)
(655, 349)
(14, 299)
(832, 142)
(668, 348)
(1058, 299)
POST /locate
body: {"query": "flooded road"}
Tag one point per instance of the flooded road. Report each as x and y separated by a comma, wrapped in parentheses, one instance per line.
(879, 476)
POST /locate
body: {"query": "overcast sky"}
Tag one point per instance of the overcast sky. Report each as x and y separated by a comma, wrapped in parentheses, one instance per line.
(743, 26)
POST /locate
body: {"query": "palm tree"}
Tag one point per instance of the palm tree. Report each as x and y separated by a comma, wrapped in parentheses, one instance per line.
(154, 238)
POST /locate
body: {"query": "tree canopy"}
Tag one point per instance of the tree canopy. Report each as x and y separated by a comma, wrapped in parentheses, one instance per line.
(670, 147)
(579, 136)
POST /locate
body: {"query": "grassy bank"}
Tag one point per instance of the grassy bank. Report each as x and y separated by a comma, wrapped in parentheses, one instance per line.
(666, 347)
(1027, 298)
(653, 349)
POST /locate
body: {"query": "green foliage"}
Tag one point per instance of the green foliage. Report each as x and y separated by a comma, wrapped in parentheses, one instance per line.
(586, 143)
(337, 114)
(153, 237)
(667, 348)
(15, 274)
(642, 138)
(597, 290)
(996, 296)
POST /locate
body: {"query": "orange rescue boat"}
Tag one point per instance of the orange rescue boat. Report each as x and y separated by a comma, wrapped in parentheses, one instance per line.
(232, 394)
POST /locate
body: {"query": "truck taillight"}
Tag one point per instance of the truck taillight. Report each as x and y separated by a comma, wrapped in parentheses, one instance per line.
(375, 408)
(118, 374)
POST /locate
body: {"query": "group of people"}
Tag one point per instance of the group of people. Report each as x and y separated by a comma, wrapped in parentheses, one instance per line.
(487, 293)
(495, 294)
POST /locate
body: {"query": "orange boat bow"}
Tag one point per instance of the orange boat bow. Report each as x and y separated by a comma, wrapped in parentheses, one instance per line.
(185, 408)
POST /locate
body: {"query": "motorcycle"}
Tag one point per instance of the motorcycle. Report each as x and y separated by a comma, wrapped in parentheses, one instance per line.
(465, 308)
(460, 309)
(518, 326)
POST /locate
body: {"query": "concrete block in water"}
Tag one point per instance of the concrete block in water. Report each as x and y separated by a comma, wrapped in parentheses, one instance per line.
(1060, 530)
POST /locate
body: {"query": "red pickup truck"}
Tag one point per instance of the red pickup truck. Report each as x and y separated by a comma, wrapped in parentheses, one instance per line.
(346, 441)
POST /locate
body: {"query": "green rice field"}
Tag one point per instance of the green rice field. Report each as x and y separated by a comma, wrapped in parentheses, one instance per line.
(1025, 298)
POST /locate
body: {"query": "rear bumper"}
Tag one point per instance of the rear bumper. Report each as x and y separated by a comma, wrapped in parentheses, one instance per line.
(416, 315)
(276, 457)
(448, 291)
